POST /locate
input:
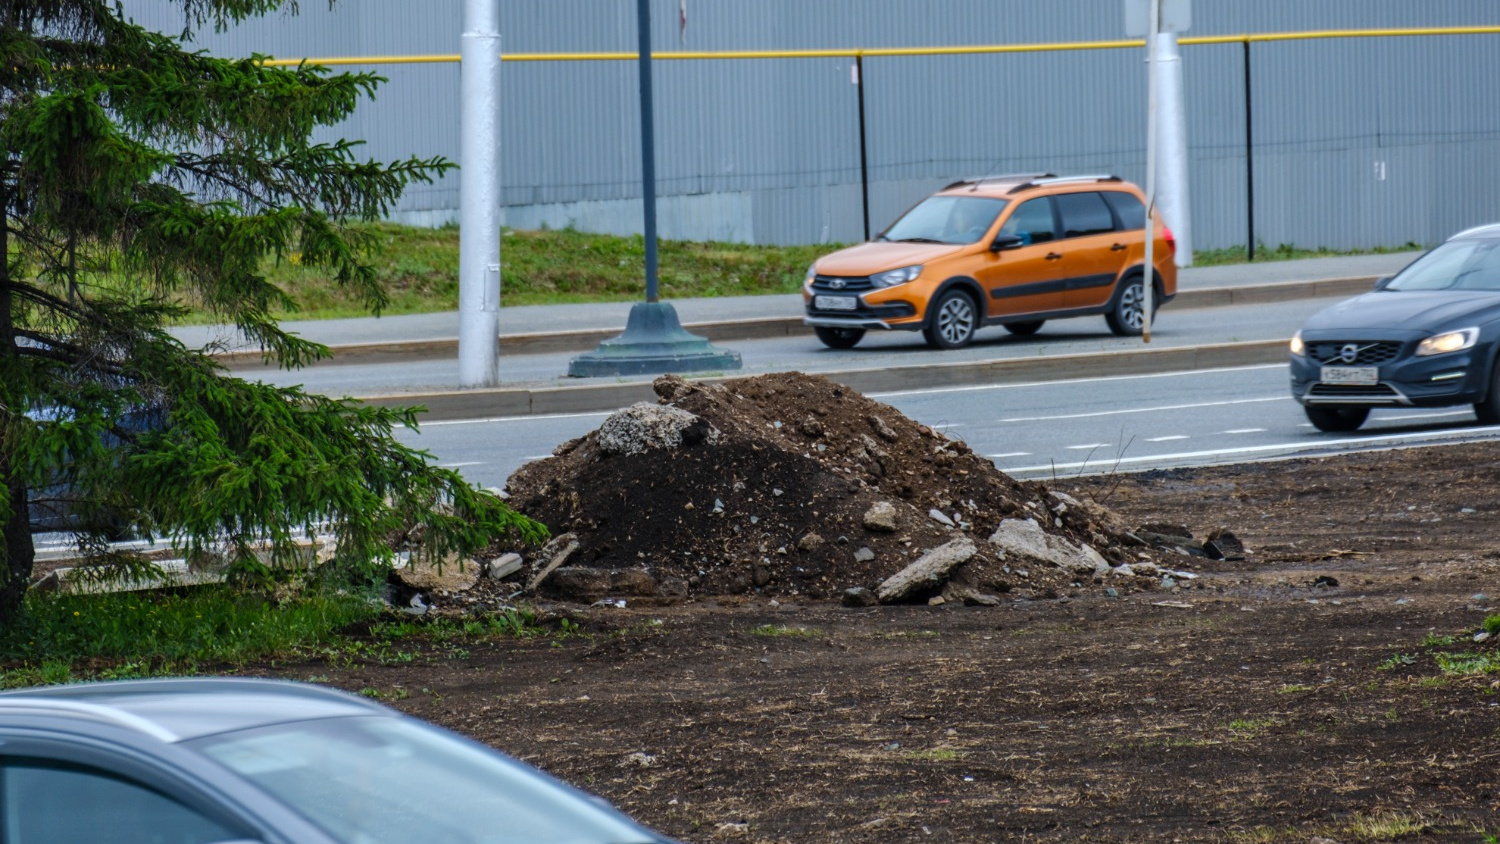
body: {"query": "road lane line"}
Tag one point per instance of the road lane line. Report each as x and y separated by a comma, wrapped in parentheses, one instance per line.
(1316, 445)
(1246, 431)
(1054, 382)
(1009, 454)
(1168, 438)
(1156, 409)
(1088, 445)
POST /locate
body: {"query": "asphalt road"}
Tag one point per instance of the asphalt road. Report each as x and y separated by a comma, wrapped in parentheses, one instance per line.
(1046, 429)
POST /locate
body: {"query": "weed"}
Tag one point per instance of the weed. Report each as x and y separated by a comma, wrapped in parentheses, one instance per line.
(1396, 661)
(1386, 826)
(784, 630)
(1492, 624)
(1466, 664)
(1433, 640)
(936, 754)
(1249, 728)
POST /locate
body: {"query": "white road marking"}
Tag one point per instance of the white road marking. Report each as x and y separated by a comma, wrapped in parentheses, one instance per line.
(461, 465)
(1156, 409)
(1168, 438)
(978, 387)
(1300, 445)
(1009, 454)
(1246, 431)
(537, 418)
(1089, 445)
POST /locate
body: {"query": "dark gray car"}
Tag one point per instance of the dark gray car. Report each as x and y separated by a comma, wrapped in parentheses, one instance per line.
(232, 761)
(1426, 337)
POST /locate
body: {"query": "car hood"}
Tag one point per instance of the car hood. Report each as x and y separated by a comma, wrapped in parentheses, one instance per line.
(879, 256)
(1422, 311)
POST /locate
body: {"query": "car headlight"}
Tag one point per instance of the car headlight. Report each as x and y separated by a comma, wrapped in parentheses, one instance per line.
(1450, 341)
(812, 274)
(1297, 347)
(891, 278)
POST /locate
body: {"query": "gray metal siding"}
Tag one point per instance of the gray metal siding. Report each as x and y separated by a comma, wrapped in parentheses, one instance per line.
(1357, 142)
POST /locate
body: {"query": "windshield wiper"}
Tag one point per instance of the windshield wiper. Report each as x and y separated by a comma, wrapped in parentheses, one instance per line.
(919, 240)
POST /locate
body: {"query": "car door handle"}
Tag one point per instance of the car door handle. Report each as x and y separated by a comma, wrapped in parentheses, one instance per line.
(1117, 247)
(1053, 256)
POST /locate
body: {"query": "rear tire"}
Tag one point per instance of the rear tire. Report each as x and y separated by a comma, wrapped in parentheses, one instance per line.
(1126, 315)
(954, 320)
(1025, 329)
(1337, 419)
(839, 338)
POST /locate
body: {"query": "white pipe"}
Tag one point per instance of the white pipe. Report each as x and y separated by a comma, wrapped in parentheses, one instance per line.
(1152, 37)
(479, 197)
(1172, 149)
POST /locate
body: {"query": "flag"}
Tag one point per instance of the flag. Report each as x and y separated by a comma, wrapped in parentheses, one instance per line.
(682, 22)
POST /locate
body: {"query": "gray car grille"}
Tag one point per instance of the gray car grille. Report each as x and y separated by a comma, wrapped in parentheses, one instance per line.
(841, 284)
(1365, 353)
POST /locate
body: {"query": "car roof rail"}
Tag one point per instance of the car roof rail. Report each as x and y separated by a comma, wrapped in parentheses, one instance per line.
(1049, 179)
(998, 177)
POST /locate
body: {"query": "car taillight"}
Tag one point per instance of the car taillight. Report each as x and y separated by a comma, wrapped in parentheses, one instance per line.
(1166, 235)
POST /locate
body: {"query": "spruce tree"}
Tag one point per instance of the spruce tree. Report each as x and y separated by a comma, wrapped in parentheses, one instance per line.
(138, 174)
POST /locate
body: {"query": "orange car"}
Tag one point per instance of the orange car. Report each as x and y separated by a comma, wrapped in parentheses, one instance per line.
(1014, 251)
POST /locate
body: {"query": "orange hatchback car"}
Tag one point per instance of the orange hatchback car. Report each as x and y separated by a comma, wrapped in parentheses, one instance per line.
(1014, 251)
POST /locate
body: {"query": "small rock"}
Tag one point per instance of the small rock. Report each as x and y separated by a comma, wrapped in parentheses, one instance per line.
(809, 542)
(864, 554)
(859, 596)
(1483, 636)
(936, 601)
(1479, 598)
(503, 566)
(1325, 582)
(940, 517)
(881, 517)
(882, 429)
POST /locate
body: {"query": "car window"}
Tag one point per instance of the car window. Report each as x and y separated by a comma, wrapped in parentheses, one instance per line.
(1456, 265)
(1130, 211)
(1084, 214)
(947, 219)
(1032, 221)
(382, 780)
(55, 803)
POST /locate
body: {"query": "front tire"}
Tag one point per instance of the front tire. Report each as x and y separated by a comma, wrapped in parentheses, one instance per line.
(954, 320)
(1337, 419)
(1127, 314)
(1488, 410)
(839, 338)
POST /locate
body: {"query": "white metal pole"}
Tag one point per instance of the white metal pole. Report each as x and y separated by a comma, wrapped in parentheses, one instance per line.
(479, 197)
(1154, 24)
(1173, 150)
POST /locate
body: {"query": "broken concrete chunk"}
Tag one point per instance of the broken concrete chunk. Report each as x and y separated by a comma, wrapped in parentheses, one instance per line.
(552, 555)
(1025, 538)
(642, 427)
(881, 516)
(930, 571)
(503, 566)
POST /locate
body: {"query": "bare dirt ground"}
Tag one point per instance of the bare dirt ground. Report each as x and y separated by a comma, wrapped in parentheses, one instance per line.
(1296, 694)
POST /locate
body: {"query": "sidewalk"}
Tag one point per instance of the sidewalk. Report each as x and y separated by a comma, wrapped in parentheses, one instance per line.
(535, 319)
(1223, 317)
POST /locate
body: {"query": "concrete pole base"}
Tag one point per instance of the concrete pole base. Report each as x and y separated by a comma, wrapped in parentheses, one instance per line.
(654, 343)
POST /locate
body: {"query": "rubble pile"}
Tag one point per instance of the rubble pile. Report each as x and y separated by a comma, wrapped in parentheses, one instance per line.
(789, 484)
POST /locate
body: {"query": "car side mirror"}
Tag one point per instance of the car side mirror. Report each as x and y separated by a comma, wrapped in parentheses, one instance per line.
(1381, 282)
(1006, 241)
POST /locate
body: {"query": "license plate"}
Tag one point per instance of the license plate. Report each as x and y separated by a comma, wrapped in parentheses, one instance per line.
(1351, 375)
(835, 303)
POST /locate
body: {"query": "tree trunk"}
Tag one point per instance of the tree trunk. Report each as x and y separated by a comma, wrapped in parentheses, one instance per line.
(15, 519)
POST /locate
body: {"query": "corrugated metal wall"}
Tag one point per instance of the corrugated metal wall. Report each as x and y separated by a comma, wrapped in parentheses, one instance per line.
(1357, 142)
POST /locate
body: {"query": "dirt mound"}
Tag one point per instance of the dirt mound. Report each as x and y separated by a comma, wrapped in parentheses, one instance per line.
(797, 485)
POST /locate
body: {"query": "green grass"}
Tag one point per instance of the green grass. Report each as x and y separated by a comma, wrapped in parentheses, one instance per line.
(782, 630)
(1285, 252)
(129, 634)
(419, 269)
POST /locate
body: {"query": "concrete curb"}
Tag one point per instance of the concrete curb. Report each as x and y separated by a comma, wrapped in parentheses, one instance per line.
(589, 398)
(557, 342)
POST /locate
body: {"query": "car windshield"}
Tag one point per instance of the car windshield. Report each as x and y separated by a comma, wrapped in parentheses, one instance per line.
(1456, 265)
(385, 780)
(946, 219)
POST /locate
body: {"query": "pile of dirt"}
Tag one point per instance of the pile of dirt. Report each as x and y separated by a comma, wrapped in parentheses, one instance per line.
(790, 484)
